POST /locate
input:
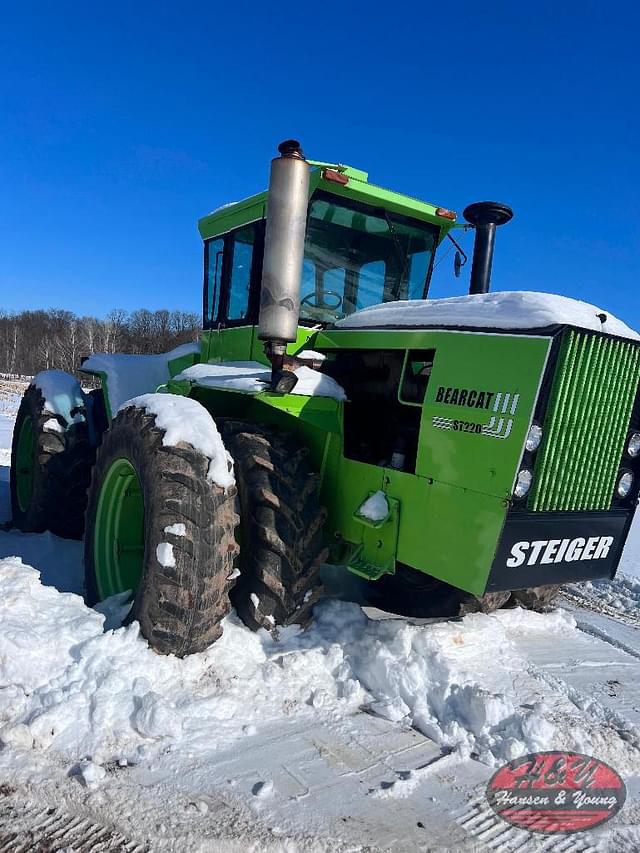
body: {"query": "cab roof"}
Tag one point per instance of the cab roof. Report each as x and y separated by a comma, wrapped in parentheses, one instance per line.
(339, 180)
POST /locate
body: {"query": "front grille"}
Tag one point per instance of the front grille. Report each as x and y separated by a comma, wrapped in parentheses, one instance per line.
(586, 424)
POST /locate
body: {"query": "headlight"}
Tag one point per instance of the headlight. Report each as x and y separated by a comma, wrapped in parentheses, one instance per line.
(523, 483)
(633, 447)
(535, 437)
(624, 484)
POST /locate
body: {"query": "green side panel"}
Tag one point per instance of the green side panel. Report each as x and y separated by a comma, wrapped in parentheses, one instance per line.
(305, 340)
(228, 344)
(177, 365)
(586, 423)
(445, 531)
(478, 447)
(448, 532)
(312, 419)
(322, 413)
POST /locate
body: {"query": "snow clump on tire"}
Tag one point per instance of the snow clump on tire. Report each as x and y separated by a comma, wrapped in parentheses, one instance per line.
(185, 421)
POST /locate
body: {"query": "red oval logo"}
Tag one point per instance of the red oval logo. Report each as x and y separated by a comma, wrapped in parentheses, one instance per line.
(556, 792)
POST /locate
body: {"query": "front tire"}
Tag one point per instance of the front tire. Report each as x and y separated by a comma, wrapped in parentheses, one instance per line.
(158, 527)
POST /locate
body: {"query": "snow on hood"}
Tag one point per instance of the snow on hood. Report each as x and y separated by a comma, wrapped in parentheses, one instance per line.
(252, 377)
(75, 690)
(131, 375)
(248, 376)
(507, 310)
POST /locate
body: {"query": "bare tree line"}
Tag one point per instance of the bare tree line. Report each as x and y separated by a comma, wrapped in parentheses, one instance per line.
(31, 341)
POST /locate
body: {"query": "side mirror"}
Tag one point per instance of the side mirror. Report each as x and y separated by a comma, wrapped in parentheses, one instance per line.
(457, 264)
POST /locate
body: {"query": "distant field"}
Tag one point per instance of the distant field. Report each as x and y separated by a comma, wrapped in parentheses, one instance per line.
(11, 390)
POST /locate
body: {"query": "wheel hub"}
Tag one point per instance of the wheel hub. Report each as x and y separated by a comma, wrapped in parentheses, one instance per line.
(119, 531)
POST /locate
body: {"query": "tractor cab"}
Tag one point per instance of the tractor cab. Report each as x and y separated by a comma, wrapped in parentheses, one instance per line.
(363, 245)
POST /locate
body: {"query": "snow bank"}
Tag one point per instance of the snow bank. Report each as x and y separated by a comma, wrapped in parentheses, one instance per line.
(62, 394)
(185, 420)
(252, 377)
(131, 375)
(507, 310)
(82, 693)
(439, 677)
(622, 593)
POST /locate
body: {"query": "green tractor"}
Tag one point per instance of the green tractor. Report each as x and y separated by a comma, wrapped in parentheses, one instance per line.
(453, 454)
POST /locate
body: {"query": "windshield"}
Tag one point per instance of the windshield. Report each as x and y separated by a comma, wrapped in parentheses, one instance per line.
(356, 256)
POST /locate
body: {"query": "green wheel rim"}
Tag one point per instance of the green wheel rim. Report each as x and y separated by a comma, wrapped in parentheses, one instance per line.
(118, 546)
(25, 461)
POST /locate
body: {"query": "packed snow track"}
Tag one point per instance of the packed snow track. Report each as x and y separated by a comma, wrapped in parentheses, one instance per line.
(361, 733)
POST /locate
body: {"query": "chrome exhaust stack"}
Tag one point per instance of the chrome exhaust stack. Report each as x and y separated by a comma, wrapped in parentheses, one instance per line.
(287, 204)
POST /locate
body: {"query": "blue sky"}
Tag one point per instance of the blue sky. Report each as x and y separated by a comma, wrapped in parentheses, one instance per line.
(121, 124)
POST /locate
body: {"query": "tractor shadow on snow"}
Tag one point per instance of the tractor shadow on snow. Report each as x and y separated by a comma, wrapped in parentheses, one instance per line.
(59, 561)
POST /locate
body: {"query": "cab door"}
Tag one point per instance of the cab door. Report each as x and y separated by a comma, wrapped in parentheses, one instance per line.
(233, 265)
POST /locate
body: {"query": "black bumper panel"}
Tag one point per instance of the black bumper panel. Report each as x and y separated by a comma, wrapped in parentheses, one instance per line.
(539, 548)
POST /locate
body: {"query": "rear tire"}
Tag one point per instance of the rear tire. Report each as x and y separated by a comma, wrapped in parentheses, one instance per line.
(280, 534)
(538, 598)
(156, 524)
(51, 461)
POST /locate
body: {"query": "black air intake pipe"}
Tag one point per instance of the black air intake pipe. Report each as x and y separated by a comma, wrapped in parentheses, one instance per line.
(485, 216)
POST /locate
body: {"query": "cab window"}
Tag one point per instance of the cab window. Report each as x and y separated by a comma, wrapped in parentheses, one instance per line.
(240, 280)
(357, 256)
(214, 253)
(371, 285)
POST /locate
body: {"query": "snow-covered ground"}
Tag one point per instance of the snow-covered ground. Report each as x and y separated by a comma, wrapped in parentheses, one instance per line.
(357, 734)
